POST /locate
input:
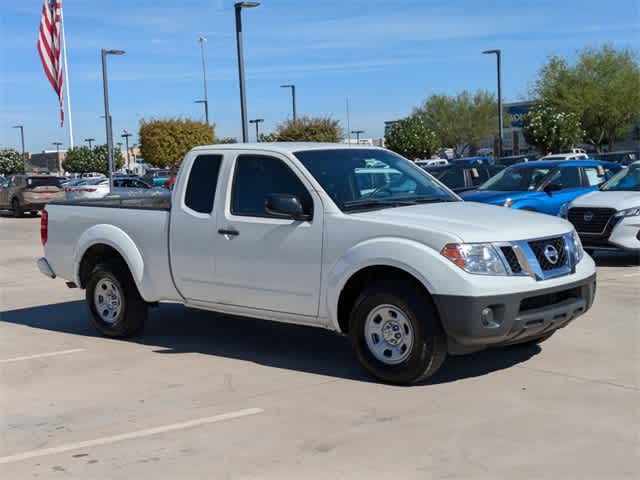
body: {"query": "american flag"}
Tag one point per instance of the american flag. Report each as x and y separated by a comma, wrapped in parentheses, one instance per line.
(49, 48)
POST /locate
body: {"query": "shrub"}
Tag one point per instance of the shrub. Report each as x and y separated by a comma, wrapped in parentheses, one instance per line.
(10, 161)
(551, 130)
(309, 129)
(84, 160)
(412, 138)
(164, 143)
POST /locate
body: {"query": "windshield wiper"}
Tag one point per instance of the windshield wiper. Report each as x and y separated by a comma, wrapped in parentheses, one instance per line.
(432, 200)
(372, 203)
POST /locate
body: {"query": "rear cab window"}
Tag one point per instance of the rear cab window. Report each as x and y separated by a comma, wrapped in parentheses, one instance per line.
(201, 186)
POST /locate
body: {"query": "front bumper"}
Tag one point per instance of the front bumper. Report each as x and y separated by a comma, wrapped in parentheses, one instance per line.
(621, 234)
(515, 317)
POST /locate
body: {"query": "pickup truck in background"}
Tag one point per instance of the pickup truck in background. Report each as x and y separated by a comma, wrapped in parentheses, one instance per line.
(288, 232)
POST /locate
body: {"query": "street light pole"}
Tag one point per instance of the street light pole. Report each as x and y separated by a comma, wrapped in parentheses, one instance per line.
(126, 136)
(57, 145)
(257, 121)
(293, 98)
(89, 140)
(24, 156)
(243, 98)
(107, 115)
(202, 40)
(357, 134)
(498, 54)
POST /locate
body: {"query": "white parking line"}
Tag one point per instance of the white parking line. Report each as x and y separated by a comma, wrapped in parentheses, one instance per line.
(41, 355)
(128, 436)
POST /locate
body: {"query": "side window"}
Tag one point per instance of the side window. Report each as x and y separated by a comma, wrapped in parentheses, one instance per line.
(201, 187)
(453, 178)
(595, 176)
(568, 177)
(256, 177)
(479, 175)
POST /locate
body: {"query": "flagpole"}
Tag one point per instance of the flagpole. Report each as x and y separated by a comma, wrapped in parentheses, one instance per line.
(66, 80)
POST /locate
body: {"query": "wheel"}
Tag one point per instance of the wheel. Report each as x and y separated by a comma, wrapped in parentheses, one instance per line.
(396, 333)
(17, 209)
(115, 305)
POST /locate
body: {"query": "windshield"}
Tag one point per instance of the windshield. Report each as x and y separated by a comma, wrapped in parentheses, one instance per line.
(627, 179)
(516, 179)
(357, 178)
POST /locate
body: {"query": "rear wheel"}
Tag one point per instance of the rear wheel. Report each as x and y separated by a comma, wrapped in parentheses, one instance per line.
(396, 333)
(115, 305)
(17, 208)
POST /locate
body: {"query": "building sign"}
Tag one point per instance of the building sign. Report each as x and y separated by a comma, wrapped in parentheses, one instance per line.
(516, 112)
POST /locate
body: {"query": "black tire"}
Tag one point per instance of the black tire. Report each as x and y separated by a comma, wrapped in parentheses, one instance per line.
(429, 347)
(133, 310)
(17, 209)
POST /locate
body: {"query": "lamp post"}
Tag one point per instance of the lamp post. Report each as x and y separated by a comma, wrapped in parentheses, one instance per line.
(107, 115)
(293, 98)
(126, 135)
(243, 98)
(257, 121)
(498, 54)
(89, 140)
(357, 134)
(202, 41)
(57, 145)
(24, 156)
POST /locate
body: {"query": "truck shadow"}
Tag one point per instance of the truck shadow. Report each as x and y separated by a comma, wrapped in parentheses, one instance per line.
(175, 329)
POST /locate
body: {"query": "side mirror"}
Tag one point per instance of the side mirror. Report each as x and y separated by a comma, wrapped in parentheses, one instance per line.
(286, 206)
(552, 187)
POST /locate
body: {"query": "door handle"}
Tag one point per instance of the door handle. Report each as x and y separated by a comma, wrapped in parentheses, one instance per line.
(228, 231)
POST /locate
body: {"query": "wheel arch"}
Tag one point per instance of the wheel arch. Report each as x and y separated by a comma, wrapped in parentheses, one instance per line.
(104, 242)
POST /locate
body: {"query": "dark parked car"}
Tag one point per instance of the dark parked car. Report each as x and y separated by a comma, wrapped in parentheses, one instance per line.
(514, 159)
(626, 157)
(29, 193)
(461, 176)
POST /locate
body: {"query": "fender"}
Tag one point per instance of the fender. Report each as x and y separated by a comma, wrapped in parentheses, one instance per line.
(413, 257)
(119, 241)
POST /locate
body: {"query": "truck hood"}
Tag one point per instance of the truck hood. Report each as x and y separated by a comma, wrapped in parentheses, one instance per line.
(617, 200)
(494, 197)
(472, 222)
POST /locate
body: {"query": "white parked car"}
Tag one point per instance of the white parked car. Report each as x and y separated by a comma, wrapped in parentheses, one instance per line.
(566, 156)
(99, 187)
(432, 162)
(285, 232)
(609, 219)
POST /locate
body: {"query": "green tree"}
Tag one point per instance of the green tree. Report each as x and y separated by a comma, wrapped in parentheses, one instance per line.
(602, 88)
(412, 138)
(309, 129)
(462, 121)
(10, 161)
(164, 143)
(551, 130)
(85, 160)
(226, 140)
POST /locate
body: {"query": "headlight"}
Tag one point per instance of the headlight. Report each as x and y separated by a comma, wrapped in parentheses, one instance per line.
(507, 203)
(564, 211)
(577, 243)
(629, 212)
(479, 258)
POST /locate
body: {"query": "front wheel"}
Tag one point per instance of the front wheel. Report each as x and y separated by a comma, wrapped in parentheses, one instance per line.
(115, 305)
(396, 333)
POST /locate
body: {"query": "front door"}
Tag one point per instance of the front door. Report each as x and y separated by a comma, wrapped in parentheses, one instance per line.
(4, 192)
(264, 262)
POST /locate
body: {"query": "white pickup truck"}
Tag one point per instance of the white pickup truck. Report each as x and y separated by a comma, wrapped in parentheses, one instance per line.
(294, 232)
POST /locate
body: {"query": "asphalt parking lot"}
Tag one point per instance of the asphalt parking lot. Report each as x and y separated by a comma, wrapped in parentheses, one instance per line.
(200, 395)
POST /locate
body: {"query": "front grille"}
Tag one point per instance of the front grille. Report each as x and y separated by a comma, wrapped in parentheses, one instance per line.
(548, 299)
(540, 249)
(590, 220)
(512, 259)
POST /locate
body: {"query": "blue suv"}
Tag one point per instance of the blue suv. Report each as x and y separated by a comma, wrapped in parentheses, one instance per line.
(543, 186)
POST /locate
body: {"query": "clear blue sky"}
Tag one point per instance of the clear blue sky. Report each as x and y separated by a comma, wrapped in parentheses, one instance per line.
(385, 55)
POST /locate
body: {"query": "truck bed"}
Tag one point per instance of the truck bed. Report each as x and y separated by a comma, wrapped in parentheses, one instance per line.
(145, 202)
